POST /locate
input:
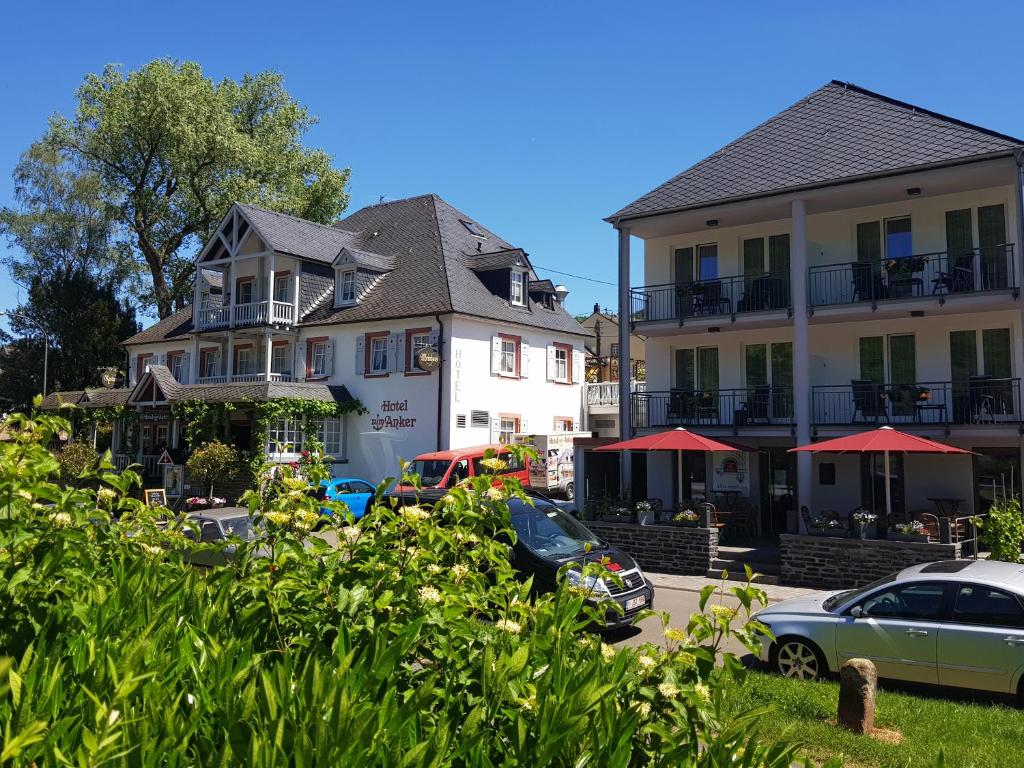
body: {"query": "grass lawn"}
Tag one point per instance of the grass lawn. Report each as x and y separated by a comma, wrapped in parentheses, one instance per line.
(970, 735)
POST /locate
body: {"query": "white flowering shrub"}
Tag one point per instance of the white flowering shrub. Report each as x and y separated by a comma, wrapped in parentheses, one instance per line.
(410, 641)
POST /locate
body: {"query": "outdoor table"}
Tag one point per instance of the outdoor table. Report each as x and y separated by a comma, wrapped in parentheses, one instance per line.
(940, 505)
(919, 407)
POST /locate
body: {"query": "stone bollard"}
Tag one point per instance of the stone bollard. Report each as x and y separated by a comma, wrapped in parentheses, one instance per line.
(858, 680)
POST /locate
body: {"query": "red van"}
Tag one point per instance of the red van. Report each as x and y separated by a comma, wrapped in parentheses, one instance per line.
(444, 469)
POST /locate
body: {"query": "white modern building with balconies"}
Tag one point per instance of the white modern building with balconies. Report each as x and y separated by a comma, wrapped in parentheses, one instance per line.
(853, 261)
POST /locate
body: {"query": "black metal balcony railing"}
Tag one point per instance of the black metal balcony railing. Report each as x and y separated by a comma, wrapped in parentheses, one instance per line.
(980, 400)
(927, 274)
(756, 406)
(729, 296)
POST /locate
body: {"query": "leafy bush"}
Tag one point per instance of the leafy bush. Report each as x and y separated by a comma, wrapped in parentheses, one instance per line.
(76, 458)
(1003, 530)
(411, 643)
(211, 462)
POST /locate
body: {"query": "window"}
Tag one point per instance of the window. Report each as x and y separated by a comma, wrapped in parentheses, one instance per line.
(563, 424)
(281, 285)
(210, 359)
(563, 363)
(415, 340)
(176, 365)
(143, 364)
(514, 464)
(284, 436)
(508, 426)
(472, 228)
(897, 238)
(318, 358)
(480, 419)
(516, 295)
(707, 261)
(922, 601)
(377, 354)
(509, 356)
(332, 435)
(347, 287)
(245, 360)
(244, 290)
(615, 350)
(978, 604)
(279, 358)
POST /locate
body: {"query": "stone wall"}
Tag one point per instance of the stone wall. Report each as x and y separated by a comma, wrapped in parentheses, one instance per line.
(828, 562)
(662, 548)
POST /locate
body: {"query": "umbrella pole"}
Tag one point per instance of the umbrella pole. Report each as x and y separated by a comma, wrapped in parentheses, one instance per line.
(888, 491)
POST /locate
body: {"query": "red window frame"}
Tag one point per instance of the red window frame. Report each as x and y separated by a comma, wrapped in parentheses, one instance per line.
(172, 356)
(568, 361)
(518, 340)
(285, 274)
(367, 354)
(564, 420)
(140, 364)
(309, 356)
(234, 355)
(410, 364)
(239, 282)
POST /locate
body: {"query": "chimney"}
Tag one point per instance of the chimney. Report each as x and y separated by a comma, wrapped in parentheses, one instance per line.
(597, 308)
(560, 293)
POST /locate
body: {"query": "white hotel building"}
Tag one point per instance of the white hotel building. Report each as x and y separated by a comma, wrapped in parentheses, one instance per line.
(287, 308)
(853, 261)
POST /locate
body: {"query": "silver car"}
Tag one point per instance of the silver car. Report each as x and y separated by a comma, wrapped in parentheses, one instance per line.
(956, 622)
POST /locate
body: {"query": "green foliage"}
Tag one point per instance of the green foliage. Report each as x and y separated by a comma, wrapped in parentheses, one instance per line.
(211, 462)
(203, 421)
(410, 643)
(76, 459)
(1003, 530)
(172, 150)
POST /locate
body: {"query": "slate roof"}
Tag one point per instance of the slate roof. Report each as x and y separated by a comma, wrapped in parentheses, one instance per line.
(315, 282)
(55, 399)
(104, 398)
(176, 326)
(372, 261)
(240, 391)
(838, 133)
(497, 260)
(295, 236)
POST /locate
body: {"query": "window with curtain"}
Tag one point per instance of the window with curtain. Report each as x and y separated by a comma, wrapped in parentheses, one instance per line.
(872, 359)
(756, 360)
(782, 379)
(707, 258)
(898, 243)
(707, 377)
(959, 237)
(992, 245)
(995, 351)
(685, 369)
(683, 265)
(963, 364)
(778, 253)
(869, 241)
(753, 263)
(903, 374)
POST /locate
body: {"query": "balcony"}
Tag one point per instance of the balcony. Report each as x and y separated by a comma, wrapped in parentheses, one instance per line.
(763, 406)
(605, 394)
(215, 316)
(720, 297)
(245, 378)
(980, 400)
(936, 275)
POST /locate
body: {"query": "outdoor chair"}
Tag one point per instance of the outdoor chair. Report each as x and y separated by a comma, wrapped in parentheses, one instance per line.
(757, 405)
(960, 278)
(708, 298)
(867, 283)
(982, 399)
(867, 400)
(716, 522)
(681, 406)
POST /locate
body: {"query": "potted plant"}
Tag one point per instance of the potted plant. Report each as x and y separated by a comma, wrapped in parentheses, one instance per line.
(212, 462)
(864, 522)
(826, 526)
(644, 513)
(686, 518)
(911, 531)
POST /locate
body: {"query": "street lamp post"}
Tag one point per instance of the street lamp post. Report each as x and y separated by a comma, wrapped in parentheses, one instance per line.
(46, 341)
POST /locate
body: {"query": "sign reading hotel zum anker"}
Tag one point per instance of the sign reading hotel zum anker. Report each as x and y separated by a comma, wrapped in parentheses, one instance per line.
(391, 416)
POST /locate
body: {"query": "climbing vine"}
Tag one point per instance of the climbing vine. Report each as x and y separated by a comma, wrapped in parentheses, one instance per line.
(104, 418)
(201, 420)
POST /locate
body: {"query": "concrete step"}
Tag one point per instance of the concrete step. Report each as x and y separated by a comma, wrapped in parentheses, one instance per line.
(748, 554)
(740, 575)
(755, 565)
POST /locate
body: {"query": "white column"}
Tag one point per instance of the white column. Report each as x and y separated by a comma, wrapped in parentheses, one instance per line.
(229, 286)
(196, 296)
(229, 360)
(270, 290)
(193, 367)
(625, 412)
(295, 294)
(270, 351)
(801, 353)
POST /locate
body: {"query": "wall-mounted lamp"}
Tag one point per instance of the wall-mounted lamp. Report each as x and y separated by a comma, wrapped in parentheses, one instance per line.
(917, 313)
(914, 191)
(712, 222)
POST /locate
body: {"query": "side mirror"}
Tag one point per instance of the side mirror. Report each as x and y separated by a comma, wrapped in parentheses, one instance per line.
(857, 612)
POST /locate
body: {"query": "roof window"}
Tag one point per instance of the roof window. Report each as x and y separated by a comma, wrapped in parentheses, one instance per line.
(473, 228)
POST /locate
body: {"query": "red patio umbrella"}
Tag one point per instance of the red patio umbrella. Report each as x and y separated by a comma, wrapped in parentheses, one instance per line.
(678, 439)
(883, 440)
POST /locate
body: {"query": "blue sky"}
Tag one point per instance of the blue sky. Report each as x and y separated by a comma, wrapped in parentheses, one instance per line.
(537, 119)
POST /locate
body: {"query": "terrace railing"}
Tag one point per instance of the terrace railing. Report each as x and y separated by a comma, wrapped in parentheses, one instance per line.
(728, 296)
(756, 406)
(212, 316)
(937, 274)
(979, 400)
(607, 392)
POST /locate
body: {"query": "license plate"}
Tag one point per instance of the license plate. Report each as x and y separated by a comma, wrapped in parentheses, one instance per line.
(636, 602)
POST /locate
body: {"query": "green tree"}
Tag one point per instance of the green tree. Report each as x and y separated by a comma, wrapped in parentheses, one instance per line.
(86, 323)
(172, 150)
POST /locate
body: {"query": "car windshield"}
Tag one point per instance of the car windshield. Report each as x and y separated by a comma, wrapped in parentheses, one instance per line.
(431, 471)
(548, 531)
(241, 527)
(852, 594)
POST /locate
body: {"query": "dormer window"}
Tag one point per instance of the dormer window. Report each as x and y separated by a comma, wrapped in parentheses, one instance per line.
(347, 286)
(517, 292)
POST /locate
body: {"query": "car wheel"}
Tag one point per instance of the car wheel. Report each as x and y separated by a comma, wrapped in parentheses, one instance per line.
(798, 658)
(570, 492)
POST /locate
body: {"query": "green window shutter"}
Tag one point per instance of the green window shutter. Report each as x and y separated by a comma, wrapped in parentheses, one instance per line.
(872, 359)
(778, 254)
(869, 241)
(756, 365)
(707, 366)
(782, 380)
(684, 369)
(959, 238)
(995, 352)
(903, 359)
(963, 356)
(684, 266)
(753, 257)
(992, 244)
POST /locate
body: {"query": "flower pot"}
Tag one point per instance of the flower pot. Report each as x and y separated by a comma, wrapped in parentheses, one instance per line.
(836, 533)
(645, 516)
(687, 523)
(865, 530)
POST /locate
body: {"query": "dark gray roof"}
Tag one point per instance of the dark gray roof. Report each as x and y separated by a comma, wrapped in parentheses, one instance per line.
(542, 286)
(373, 261)
(838, 133)
(241, 391)
(102, 398)
(497, 260)
(295, 236)
(56, 399)
(315, 284)
(176, 326)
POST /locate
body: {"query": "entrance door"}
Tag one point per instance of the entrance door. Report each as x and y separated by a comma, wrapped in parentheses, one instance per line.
(638, 473)
(694, 481)
(777, 472)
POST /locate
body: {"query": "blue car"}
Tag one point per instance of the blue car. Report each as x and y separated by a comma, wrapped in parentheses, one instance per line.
(357, 494)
